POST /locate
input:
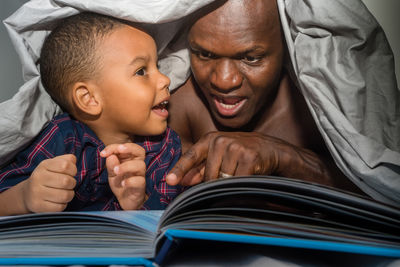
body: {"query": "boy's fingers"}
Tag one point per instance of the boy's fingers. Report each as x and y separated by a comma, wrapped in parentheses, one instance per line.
(135, 182)
(131, 168)
(111, 163)
(49, 207)
(59, 196)
(124, 151)
(59, 181)
(65, 164)
(109, 150)
(135, 150)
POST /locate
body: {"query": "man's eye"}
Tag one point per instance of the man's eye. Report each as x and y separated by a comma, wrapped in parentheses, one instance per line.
(205, 55)
(251, 59)
(141, 72)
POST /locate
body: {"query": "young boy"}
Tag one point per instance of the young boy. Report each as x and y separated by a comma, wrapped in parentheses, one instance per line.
(103, 73)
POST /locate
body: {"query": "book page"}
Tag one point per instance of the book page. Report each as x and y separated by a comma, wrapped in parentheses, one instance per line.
(282, 208)
(115, 234)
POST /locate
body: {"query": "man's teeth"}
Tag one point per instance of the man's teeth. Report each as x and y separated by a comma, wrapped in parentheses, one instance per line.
(229, 106)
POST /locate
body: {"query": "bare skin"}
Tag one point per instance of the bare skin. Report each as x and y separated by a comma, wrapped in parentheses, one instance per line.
(240, 113)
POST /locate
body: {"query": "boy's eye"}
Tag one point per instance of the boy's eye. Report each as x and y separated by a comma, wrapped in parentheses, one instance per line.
(141, 72)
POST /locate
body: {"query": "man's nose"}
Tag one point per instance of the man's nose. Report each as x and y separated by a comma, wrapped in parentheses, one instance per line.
(226, 75)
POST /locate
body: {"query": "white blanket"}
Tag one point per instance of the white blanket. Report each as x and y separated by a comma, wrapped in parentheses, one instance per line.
(339, 57)
(345, 69)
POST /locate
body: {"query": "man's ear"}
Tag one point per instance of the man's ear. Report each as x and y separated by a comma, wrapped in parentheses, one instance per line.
(86, 98)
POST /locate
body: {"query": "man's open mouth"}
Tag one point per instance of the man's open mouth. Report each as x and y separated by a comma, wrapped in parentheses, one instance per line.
(229, 106)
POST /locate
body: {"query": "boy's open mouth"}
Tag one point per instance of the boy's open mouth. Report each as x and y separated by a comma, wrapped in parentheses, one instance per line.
(161, 109)
(162, 105)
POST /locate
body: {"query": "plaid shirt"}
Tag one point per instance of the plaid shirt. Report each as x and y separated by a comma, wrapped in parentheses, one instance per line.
(64, 135)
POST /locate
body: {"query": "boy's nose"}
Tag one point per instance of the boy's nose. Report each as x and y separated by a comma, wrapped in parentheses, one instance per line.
(163, 81)
(226, 75)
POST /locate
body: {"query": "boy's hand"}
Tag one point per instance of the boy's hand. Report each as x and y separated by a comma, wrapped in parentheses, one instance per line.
(51, 186)
(126, 173)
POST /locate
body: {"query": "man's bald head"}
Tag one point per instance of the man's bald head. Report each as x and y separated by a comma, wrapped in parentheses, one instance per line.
(237, 16)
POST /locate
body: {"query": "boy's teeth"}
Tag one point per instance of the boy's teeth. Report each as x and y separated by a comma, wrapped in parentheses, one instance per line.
(162, 106)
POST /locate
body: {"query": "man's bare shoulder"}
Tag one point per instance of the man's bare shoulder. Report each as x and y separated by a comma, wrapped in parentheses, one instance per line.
(189, 115)
(186, 99)
(185, 92)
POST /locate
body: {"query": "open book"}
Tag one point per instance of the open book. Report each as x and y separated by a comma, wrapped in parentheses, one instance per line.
(260, 210)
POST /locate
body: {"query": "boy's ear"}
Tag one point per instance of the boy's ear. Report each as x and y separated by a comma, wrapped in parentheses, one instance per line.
(86, 98)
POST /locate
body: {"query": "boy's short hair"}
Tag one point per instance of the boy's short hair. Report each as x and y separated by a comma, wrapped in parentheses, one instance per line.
(69, 53)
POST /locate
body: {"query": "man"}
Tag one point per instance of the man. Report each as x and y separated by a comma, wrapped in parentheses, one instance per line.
(240, 113)
(241, 109)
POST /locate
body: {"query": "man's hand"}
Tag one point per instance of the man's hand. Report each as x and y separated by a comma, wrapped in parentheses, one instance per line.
(126, 174)
(219, 154)
(51, 186)
(228, 153)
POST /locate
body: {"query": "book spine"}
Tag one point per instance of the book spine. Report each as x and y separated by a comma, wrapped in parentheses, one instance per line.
(166, 246)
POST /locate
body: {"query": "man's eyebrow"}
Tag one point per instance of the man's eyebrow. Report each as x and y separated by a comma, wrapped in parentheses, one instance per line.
(196, 47)
(252, 50)
(257, 49)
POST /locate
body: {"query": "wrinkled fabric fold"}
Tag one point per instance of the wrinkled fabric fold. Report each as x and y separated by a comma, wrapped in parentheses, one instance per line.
(345, 69)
